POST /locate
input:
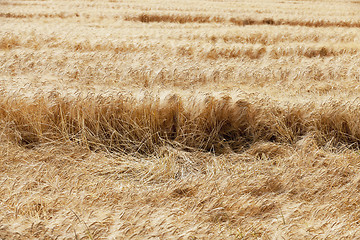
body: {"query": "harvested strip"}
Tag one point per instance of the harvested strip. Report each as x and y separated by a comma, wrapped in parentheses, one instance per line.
(39, 15)
(173, 18)
(130, 124)
(146, 18)
(305, 23)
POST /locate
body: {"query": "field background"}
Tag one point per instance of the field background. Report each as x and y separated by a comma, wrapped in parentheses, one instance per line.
(179, 119)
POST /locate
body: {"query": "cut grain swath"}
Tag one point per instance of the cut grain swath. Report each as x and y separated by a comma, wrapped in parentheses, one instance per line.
(129, 124)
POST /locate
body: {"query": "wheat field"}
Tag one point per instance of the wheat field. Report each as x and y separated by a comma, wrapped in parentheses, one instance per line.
(179, 119)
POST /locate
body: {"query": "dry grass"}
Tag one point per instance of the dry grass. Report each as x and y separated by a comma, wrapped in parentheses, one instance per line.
(219, 120)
